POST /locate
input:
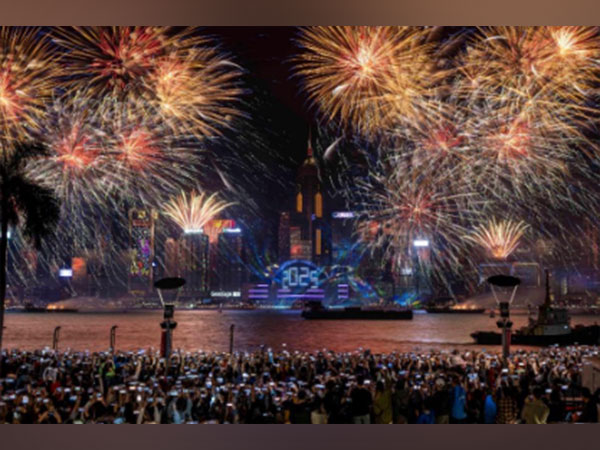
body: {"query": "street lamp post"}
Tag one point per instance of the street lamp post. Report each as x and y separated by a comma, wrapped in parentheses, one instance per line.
(55, 337)
(502, 287)
(113, 332)
(168, 324)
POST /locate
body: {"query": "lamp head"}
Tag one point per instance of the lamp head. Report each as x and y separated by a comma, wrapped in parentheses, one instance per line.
(504, 288)
(169, 284)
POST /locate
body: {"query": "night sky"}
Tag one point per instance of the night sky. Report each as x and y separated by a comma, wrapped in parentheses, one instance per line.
(266, 53)
(271, 143)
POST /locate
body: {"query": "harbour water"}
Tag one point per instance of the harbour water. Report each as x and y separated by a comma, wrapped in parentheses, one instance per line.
(209, 330)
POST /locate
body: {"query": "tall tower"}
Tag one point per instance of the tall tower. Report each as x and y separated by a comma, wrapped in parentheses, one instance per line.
(230, 263)
(301, 231)
(308, 186)
(284, 237)
(195, 258)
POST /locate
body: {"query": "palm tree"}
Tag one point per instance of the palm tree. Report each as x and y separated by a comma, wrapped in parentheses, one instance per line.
(22, 200)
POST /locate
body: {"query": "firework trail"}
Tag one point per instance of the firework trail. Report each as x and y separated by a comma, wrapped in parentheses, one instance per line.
(192, 212)
(175, 74)
(499, 237)
(549, 71)
(398, 208)
(28, 69)
(370, 78)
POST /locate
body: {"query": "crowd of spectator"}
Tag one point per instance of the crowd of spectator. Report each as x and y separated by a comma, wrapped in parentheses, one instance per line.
(268, 386)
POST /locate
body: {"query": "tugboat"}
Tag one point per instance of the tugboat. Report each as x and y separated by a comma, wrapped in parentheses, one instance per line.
(552, 326)
(315, 310)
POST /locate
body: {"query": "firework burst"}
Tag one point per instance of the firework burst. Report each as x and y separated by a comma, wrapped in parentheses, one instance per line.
(192, 212)
(499, 237)
(399, 207)
(174, 74)
(74, 168)
(195, 91)
(544, 73)
(27, 78)
(143, 159)
(368, 77)
(111, 60)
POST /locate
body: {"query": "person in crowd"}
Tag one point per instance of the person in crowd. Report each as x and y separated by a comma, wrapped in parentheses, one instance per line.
(589, 413)
(535, 410)
(441, 402)
(426, 416)
(489, 408)
(318, 414)
(400, 399)
(459, 399)
(300, 408)
(382, 403)
(558, 410)
(507, 406)
(362, 400)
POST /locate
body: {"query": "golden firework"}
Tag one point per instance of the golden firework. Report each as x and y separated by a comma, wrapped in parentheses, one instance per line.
(111, 60)
(499, 237)
(195, 91)
(174, 74)
(192, 212)
(27, 78)
(544, 73)
(368, 77)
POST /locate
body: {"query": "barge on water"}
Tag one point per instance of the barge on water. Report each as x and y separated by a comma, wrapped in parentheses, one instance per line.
(453, 310)
(315, 310)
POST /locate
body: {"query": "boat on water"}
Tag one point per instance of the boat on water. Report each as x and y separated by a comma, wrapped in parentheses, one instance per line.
(61, 310)
(30, 308)
(315, 310)
(551, 327)
(449, 305)
(453, 310)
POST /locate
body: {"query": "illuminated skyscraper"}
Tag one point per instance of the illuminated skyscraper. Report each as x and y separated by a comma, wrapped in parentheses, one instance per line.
(302, 231)
(172, 258)
(141, 248)
(284, 237)
(230, 267)
(195, 258)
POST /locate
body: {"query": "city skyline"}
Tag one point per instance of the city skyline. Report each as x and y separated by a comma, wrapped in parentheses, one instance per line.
(451, 147)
